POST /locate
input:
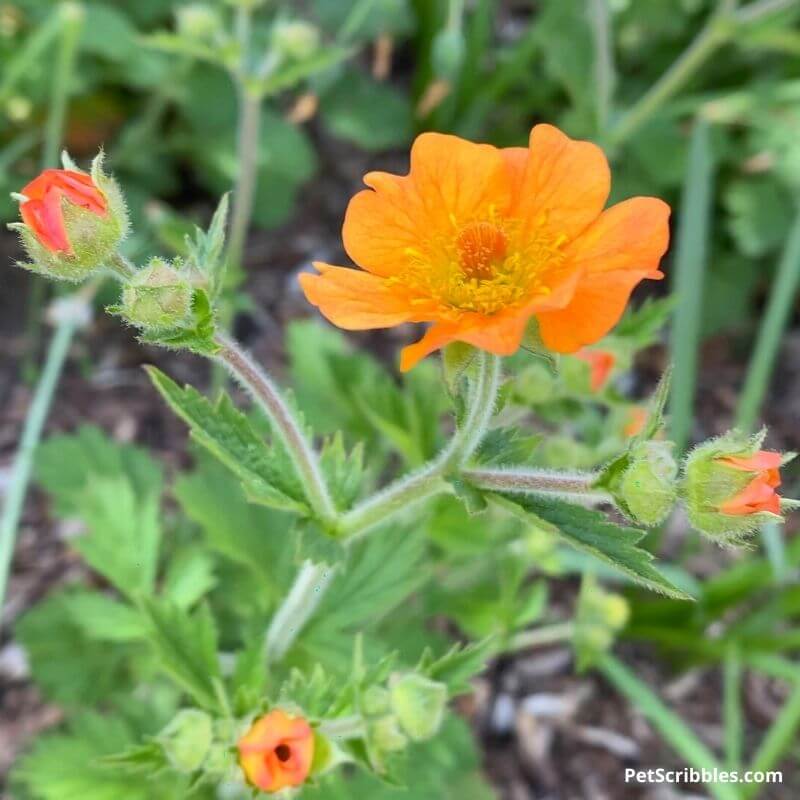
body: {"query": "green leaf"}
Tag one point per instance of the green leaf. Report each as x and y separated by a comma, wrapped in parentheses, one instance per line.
(104, 619)
(266, 471)
(458, 665)
(69, 661)
(344, 472)
(205, 249)
(189, 576)
(375, 116)
(590, 530)
(69, 765)
(293, 74)
(197, 337)
(124, 534)
(255, 537)
(642, 326)
(507, 446)
(187, 649)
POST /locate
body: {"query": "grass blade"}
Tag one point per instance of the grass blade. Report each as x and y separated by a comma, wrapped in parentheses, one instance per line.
(688, 280)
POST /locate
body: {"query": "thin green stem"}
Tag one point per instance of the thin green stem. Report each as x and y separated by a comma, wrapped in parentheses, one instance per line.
(604, 71)
(781, 300)
(430, 479)
(689, 277)
(537, 637)
(73, 313)
(72, 16)
(732, 708)
(298, 607)
(715, 33)
(672, 728)
(777, 741)
(286, 426)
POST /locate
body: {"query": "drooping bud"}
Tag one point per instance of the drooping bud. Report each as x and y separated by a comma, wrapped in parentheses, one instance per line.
(187, 739)
(419, 704)
(730, 486)
(73, 222)
(646, 489)
(157, 297)
(277, 751)
(295, 40)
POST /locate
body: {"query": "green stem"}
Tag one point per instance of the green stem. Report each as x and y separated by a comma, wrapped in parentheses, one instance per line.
(732, 708)
(576, 487)
(537, 637)
(343, 728)
(688, 279)
(604, 72)
(72, 317)
(244, 192)
(430, 479)
(778, 739)
(781, 300)
(72, 15)
(715, 33)
(299, 605)
(269, 398)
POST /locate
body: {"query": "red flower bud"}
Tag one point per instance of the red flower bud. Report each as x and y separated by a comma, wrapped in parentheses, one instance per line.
(600, 362)
(759, 494)
(42, 210)
(277, 751)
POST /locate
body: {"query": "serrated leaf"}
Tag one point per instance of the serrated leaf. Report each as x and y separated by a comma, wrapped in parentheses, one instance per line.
(343, 471)
(642, 326)
(591, 531)
(124, 535)
(458, 665)
(315, 693)
(266, 471)
(189, 577)
(104, 619)
(186, 646)
(206, 248)
(506, 446)
(140, 759)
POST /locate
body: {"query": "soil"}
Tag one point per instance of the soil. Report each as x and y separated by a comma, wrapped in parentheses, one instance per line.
(547, 733)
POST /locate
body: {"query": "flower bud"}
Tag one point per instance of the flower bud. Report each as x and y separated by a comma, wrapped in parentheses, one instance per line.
(646, 489)
(375, 701)
(386, 736)
(419, 705)
(600, 363)
(157, 297)
(730, 484)
(277, 751)
(295, 40)
(600, 616)
(198, 21)
(72, 222)
(187, 739)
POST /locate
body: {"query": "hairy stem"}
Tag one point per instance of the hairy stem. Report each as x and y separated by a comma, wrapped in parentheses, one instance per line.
(574, 485)
(536, 637)
(430, 479)
(297, 608)
(269, 399)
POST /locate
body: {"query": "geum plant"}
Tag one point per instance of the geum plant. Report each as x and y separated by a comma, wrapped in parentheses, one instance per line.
(502, 251)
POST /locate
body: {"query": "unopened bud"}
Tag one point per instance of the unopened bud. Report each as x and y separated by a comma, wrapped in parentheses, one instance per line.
(646, 490)
(295, 40)
(157, 297)
(419, 705)
(187, 739)
(72, 222)
(386, 735)
(198, 21)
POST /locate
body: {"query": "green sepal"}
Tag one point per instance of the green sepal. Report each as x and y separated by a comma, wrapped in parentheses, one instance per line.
(196, 335)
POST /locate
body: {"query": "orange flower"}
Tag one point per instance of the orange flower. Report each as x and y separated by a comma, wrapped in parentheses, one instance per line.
(637, 417)
(477, 240)
(277, 751)
(759, 494)
(600, 362)
(42, 211)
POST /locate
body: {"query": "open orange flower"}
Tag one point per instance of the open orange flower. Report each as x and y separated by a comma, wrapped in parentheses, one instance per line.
(759, 494)
(42, 211)
(277, 751)
(477, 240)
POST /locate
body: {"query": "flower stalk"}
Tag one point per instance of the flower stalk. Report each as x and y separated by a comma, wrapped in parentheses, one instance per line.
(577, 486)
(269, 399)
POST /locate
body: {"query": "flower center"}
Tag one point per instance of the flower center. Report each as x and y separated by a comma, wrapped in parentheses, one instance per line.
(481, 248)
(283, 752)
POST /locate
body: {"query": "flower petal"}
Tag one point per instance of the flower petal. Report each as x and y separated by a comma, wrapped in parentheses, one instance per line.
(354, 299)
(620, 249)
(565, 185)
(451, 181)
